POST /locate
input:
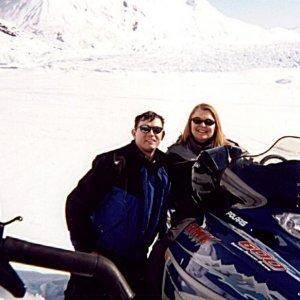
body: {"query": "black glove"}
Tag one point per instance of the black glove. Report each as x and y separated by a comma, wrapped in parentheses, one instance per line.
(206, 172)
(235, 152)
(203, 182)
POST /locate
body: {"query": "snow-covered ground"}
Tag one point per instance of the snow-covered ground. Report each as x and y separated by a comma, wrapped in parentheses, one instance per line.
(74, 74)
(54, 122)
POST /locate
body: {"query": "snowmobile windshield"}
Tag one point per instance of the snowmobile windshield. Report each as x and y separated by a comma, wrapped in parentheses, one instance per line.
(284, 148)
(269, 179)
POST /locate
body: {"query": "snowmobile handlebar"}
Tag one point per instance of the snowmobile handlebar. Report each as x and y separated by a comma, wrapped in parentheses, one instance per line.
(91, 265)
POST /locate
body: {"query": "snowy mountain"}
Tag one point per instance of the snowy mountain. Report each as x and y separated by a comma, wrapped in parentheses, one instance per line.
(146, 34)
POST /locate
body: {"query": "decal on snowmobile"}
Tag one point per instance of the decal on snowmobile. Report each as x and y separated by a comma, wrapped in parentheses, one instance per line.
(264, 258)
(195, 232)
(236, 218)
(206, 277)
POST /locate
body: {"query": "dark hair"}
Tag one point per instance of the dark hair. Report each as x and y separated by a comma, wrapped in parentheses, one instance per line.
(219, 138)
(148, 115)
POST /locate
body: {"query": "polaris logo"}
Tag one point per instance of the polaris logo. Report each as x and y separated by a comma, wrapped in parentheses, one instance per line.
(236, 218)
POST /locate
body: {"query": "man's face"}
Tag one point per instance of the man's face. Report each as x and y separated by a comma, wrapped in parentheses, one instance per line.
(148, 135)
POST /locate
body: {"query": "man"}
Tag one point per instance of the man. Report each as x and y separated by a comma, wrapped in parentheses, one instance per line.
(119, 206)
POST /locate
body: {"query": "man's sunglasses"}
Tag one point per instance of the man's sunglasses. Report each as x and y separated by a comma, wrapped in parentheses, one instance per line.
(207, 122)
(147, 129)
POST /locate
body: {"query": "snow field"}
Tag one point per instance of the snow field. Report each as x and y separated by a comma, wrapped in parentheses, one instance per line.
(54, 122)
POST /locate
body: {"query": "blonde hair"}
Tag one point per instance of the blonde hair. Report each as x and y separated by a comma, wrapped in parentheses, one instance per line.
(218, 138)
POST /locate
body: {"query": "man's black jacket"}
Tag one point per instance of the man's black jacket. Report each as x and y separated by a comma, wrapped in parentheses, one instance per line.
(120, 169)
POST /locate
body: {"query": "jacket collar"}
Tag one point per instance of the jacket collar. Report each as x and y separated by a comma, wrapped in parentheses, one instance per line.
(138, 154)
(198, 147)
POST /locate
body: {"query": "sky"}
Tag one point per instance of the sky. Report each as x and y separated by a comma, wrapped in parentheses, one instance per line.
(266, 13)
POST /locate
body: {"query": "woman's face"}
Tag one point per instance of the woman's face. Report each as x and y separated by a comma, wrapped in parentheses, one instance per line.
(202, 125)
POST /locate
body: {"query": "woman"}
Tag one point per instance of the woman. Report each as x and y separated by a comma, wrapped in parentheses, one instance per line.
(202, 131)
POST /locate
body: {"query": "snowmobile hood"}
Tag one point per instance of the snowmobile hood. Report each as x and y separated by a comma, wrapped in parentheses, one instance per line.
(219, 259)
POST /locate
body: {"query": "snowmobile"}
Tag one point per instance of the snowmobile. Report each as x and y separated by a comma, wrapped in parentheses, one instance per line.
(247, 246)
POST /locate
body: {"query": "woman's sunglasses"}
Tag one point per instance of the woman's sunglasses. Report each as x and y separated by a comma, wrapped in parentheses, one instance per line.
(147, 129)
(207, 122)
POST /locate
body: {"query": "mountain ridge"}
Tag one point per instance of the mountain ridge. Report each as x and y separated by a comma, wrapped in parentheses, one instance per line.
(89, 28)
